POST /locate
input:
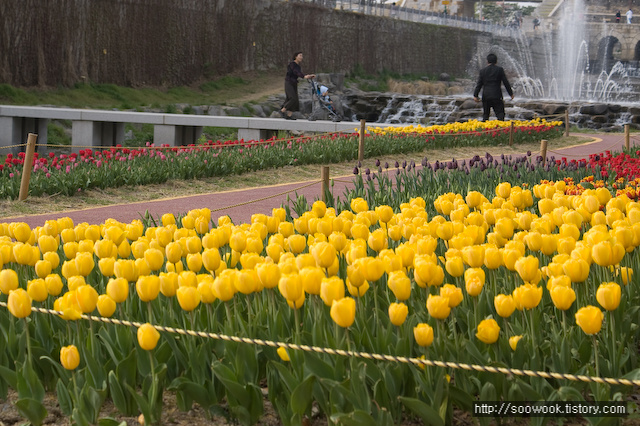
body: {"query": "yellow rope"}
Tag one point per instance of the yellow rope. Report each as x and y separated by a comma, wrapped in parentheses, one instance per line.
(357, 354)
(13, 146)
(266, 198)
(202, 146)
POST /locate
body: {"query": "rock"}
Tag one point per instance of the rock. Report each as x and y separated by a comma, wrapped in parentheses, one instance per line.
(216, 110)
(233, 111)
(470, 104)
(594, 109)
(444, 77)
(258, 111)
(552, 109)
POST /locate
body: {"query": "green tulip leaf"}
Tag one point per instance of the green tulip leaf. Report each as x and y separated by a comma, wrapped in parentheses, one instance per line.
(9, 376)
(196, 392)
(29, 384)
(230, 382)
(109, 421)
(143, 405)
(427, 413)
(356, 418)
(302, 396)
(64, 398)
(318, 367)
(461, 398)
(285, 375)
(117, 396)
(32, 410)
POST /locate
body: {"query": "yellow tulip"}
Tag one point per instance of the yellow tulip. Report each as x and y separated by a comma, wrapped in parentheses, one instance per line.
(400, 284)
(608, 296)
(359, 205)
(589, 319)
(324, 253)
(319, 208)
(87, 298)
(69, 357)
(527, 268)
(343, 311)
(562, 296)
(528, 296)
(223, 287)
(154, 259)
(504, 304)
(47, 243)
(453, 293)
(625, 273)
(473, 255)
(296, 243)
(385, 213)
(493, 257)
(290, 286)
(398, 313)
(454, 266)
(373, 268)
(438, 306)
(19, 303)
(378, 240)
(148, 337)
(406, 253)
(488, 331)
(268, 274)
(331, 289)
(54, 285)
(188, 298)
(577, 269)
(148, 287)
(513, 342)
(423, 334)
(282, 353)
(107, 266)
(106, 306)
(52, 257)
(311, 277)
(503, 190)
(607, 253)
(8, 280)
(118, 289)
(37, 290)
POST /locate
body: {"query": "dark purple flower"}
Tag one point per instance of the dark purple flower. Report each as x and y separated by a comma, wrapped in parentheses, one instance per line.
(359, 163)
(404, 164)
(386, 165)
(367, 171)
(397, 165)
(379, 169)
(377, 163)
(424, 161)
(356, 171)
(528, 153)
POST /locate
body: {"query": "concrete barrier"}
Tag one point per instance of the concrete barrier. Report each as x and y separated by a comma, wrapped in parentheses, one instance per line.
(97, 128)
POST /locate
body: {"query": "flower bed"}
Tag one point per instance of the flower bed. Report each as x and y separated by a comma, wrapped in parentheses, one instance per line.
(485, 273)
(69, 173)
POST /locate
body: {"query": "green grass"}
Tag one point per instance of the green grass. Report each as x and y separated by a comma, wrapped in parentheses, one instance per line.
(109, 96)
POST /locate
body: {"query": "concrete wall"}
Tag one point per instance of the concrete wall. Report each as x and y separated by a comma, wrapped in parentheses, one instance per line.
(178, 42)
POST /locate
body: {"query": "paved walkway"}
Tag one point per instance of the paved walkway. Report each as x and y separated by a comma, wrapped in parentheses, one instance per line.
(241, 204)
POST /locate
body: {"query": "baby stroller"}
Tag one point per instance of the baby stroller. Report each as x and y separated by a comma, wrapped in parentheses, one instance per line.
(321, 105)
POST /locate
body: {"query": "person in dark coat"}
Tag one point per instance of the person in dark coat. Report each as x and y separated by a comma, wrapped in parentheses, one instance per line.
(490, 80)
(291, 102)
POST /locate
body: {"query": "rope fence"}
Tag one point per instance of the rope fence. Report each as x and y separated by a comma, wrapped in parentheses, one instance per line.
(356, 354)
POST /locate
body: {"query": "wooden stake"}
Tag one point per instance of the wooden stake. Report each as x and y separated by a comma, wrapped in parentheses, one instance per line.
(511, 135)
(543, 151)
(566, 123)
(363, 124)
(626, 137)
(324, 176)
(27, 167)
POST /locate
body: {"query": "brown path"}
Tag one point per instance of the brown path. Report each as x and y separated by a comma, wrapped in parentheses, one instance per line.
(241, 204)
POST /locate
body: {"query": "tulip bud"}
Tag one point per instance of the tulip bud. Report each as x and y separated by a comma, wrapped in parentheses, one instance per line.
(589, 319)
(148, 337)
(398, 313)
(488, 331)
(343, 311)
(19, 303)
(423, 334)
(69, 357)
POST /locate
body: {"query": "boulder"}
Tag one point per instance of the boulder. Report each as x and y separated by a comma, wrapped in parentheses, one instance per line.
(470, 104)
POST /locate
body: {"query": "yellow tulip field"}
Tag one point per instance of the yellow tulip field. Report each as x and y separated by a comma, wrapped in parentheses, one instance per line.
(514, 277)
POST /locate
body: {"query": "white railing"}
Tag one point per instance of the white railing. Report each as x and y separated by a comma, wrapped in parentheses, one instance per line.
(394, 10)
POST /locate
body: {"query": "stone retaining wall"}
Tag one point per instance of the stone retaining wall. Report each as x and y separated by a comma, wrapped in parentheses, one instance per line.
(179, 42)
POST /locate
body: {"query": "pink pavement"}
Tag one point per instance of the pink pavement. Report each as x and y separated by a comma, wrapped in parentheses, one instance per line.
(241, 204)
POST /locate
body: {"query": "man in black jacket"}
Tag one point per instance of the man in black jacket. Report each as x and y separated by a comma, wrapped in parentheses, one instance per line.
(491, 77)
